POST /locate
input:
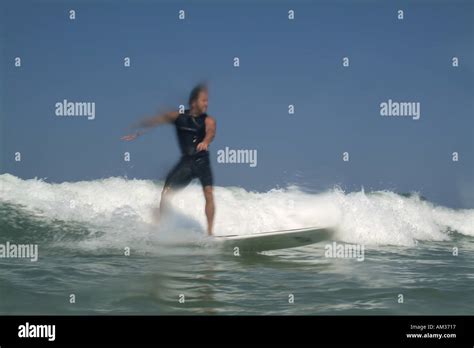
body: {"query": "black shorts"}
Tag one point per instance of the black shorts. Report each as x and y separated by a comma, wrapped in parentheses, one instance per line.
(188, 168)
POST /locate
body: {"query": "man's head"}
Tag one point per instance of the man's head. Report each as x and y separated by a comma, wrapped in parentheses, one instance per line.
(198, 98)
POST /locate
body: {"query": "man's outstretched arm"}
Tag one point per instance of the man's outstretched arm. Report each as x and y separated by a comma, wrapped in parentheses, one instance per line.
(148, 123)
(167, 117)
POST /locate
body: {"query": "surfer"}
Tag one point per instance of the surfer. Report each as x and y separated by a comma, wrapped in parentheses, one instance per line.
(195, 130)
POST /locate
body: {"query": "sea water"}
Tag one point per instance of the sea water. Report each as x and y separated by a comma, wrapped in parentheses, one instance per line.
(101, 251)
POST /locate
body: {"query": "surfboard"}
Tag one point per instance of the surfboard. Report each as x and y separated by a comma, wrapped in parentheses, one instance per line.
(274, 240)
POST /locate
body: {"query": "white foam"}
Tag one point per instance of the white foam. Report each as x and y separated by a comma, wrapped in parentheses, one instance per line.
(124, 210)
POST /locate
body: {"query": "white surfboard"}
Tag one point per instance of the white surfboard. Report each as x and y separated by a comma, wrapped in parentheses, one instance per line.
(274, 240)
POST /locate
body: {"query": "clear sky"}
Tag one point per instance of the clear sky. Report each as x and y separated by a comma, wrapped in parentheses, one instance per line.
(282, 62)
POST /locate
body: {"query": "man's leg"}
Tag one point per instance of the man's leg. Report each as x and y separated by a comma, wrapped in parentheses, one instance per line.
(179, 177)
(202, 170)
(165, 199)
(209, 208)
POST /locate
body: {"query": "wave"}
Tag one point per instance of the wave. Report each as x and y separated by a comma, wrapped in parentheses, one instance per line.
(116, 211)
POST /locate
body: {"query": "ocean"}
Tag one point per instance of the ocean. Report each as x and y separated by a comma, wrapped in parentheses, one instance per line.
(100, 251)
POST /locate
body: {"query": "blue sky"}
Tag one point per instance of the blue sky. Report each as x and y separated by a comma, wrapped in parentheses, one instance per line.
(282, 62)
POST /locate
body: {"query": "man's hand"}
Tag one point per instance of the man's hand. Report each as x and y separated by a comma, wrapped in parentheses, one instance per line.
(147, 124)
(202, 146)
(129, 137)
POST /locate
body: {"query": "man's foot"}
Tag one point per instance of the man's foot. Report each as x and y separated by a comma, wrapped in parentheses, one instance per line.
(156, 215)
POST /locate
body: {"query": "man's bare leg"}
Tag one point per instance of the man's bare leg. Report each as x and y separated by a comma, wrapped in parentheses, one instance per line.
(165, 201)
(209, 208)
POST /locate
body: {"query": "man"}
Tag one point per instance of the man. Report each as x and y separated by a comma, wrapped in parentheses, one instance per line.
(195, 130)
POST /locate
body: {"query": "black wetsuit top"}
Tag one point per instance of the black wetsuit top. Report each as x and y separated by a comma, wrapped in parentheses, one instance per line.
(191, 131)
(193, 164)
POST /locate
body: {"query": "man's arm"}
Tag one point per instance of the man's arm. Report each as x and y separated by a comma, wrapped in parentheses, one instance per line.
(210, 133)
(147, 124)
(167, 117)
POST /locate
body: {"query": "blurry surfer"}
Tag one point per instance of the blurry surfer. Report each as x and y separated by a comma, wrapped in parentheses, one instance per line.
(195, 130)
